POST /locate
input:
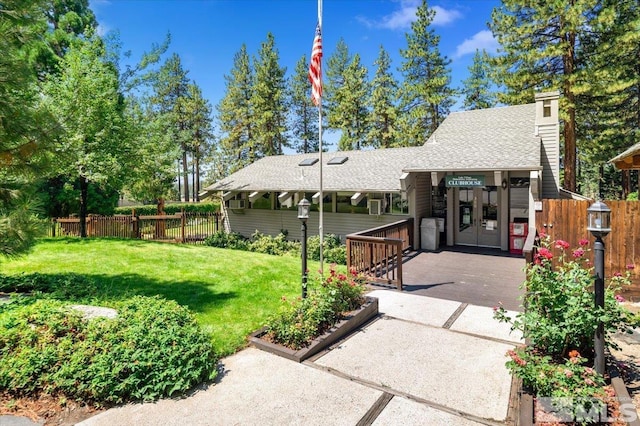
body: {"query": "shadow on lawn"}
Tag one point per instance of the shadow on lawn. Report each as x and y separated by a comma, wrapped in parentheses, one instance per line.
(198, 296)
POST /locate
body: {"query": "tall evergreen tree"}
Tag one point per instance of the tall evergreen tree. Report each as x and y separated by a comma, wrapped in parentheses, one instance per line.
(235, 114)
(66, 19)
(200, 131)
(426, 95)
(304, 116)
(609, 104)
(24, 126)
(337, 64)
(383, 132)
(350, 112)
(269, 101)
(477, 88)
(540, 43)
(170, 97)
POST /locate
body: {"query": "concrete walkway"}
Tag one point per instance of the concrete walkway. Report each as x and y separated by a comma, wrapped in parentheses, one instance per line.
(422, 361)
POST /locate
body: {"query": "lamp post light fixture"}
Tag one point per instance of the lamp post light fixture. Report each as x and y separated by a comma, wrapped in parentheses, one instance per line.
(599, 224)
(303, 214)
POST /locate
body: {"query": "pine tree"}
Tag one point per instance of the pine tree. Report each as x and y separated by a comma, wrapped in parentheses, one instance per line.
(540, 43)
(477, 89)
(235, 115)
(268, 101)
(426, 95)
(383, 118)
(350, 112)
(333, 81)
(25, 127)
(170, 97)
(609, 118)
(200, 131)
(304, 116)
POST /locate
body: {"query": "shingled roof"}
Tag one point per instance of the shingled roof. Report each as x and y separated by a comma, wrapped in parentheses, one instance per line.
(365, 171)
(490, 139)
(486, 139)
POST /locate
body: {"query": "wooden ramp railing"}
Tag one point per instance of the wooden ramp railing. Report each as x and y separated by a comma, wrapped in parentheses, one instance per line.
(378, 252)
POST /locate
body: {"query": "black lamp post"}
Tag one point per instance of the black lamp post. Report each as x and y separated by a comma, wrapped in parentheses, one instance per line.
(303, 214)
(599, 224)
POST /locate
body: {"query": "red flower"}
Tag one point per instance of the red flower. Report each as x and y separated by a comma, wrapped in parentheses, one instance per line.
(545, 253)
(561, 244)
(577, 253)
(574, 354)
(542, 234)
(631, 266)
(583, 242)
(617, 274)
(619, 298)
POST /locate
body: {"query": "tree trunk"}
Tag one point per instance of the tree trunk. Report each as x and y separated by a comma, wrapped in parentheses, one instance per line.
(179, 183)
(185, 176)
(570, 124)
(84, 190)
(196, 160)
(626, 184)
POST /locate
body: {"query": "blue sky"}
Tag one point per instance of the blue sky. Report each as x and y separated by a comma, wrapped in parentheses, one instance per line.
(207, 33)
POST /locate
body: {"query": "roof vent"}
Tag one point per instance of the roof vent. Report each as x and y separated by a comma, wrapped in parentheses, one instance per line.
(308, 162)
(337, 160)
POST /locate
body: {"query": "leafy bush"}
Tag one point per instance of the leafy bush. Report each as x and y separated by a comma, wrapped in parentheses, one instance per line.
(231, 240)
(277, 245)
(153, 349)
(334, 250)
(633, 196)
(298, 322)
(560, 319)
(171, 208)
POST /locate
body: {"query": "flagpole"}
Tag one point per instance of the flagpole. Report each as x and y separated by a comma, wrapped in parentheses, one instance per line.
(321, 211)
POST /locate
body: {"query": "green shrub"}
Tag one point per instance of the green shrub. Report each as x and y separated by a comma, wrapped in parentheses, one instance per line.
(300, 321)
(633, 196)
(171, 208)
(333, 249)
(231, 240)
(153, 349)
(267, 244)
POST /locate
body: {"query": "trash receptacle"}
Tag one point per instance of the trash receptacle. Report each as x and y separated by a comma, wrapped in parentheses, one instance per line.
(429, 234)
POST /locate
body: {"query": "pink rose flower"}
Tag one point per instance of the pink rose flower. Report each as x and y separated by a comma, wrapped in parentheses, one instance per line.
(561, 244)
(583, 242)
(578, 253)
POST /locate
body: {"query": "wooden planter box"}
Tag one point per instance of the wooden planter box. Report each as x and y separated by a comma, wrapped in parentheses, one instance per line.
(343, 328)
(525, 401)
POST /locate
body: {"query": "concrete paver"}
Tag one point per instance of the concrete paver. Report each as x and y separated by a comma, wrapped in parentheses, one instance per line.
(479, 320)
(401, 411)
(455, 370)
(424, 310)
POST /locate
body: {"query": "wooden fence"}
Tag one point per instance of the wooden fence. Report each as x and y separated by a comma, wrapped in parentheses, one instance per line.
(567, 220)
(378, 252)
(184, 227)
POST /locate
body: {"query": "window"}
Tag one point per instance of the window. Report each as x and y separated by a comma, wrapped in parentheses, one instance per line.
(308, 162)
(397, 203)
(546, 108)
(337, 160)
(264, 202)
(343, 204)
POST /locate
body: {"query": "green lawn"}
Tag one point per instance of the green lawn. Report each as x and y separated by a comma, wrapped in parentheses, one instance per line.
(231, 292)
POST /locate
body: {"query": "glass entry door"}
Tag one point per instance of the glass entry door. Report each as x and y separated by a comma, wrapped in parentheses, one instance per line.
(477, 216)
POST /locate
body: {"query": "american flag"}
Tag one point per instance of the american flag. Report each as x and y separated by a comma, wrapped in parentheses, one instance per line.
(315, 68)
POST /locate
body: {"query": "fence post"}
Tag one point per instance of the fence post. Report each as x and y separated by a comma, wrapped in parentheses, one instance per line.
(183, 223)
(136, 224)
(53, 226)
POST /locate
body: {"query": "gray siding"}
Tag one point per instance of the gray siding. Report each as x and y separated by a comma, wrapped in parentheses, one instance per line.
(550, 158)
(271, 222)
(422, 191)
